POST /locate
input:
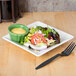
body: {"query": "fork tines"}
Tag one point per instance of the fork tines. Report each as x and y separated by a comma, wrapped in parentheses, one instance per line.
(70, 48)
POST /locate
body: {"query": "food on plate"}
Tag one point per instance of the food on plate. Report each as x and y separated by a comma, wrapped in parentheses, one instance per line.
(54, 35)
(37, 38)
(40, 38)
(42, 47)
(18, 31)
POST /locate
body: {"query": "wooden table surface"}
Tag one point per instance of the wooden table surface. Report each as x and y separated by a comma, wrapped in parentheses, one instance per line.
(15, 61)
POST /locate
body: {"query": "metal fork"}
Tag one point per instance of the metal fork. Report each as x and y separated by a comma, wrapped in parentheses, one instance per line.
(66, 52)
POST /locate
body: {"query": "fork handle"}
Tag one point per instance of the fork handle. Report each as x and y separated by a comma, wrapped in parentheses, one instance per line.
(52, 58)
(48, 61)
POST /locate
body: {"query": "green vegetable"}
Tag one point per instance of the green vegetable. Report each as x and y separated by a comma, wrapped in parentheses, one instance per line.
(49, 29)
(21, 42)
(33, 30)
(39, 27)
(27, 39)
(46, 31)
(53, 30)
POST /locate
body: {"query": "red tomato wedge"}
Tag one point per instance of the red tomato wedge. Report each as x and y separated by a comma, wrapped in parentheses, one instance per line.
(38, 38)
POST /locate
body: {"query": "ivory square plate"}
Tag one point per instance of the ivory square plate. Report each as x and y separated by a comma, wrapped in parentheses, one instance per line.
(64, 37)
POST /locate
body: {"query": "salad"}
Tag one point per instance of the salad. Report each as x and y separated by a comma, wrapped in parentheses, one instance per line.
(40, 38)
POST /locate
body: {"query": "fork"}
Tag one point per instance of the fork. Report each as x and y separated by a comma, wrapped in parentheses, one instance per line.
(66, 52)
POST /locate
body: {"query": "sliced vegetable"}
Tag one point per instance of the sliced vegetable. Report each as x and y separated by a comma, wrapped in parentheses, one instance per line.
(55, 36)
(38, 48)
(38, 38)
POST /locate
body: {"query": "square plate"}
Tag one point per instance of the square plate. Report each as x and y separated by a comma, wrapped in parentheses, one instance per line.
(64, 37)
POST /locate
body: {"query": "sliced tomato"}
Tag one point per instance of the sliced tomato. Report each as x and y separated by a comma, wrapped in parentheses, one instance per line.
(44, 40)
(37, 38)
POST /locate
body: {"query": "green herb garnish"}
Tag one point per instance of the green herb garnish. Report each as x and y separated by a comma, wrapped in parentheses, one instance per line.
(21, 42)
